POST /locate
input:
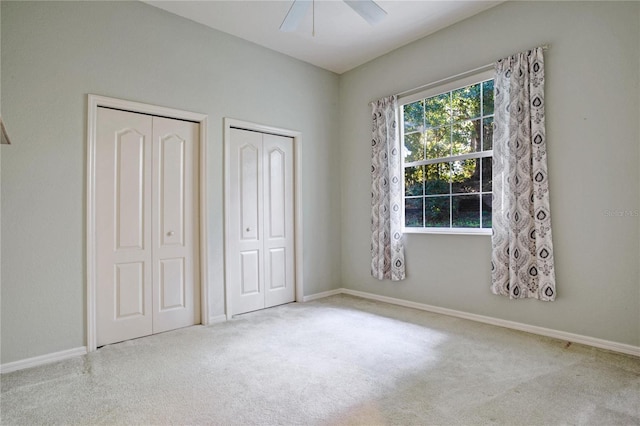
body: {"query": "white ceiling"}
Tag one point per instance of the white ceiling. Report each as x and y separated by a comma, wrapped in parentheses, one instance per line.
(342, 41)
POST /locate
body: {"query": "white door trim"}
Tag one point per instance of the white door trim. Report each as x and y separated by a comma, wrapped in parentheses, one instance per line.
(95, 101)
(297, 194)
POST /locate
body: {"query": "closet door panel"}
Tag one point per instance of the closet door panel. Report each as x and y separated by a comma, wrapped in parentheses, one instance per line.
(278, 220)
(172, 284)
(172, 180)
(176, 283)
(129, 189)
(129, 290)
(277, 268)
(245, 257)
(123, 226)
(249, 272)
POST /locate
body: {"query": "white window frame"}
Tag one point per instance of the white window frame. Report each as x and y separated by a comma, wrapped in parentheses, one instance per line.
(434, 90)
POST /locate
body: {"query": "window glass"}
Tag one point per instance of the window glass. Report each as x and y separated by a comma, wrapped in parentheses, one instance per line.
(448, 142)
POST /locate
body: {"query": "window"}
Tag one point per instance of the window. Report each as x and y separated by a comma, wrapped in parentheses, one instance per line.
(447, 134)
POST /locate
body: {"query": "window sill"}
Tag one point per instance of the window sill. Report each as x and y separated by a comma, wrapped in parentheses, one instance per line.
(447, 231)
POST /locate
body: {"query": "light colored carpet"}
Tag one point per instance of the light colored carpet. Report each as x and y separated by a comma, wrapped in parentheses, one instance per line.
(340, 360)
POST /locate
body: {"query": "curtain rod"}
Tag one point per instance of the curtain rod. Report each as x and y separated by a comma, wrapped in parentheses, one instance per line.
(454, 77)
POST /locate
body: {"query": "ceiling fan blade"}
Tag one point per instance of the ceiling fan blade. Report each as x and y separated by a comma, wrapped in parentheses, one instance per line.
(295, 15)
(368, 9)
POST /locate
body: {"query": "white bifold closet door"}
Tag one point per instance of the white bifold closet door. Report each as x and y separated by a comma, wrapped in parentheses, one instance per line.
(147, 238)
(260, 230)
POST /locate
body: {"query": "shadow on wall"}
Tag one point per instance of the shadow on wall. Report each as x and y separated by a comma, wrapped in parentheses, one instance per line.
(4, 137)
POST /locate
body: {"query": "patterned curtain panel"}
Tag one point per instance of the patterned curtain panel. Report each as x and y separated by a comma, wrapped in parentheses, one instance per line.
(522, 256)
(387, 251)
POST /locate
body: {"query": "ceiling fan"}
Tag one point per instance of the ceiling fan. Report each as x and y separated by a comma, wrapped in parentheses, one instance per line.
(367, 9)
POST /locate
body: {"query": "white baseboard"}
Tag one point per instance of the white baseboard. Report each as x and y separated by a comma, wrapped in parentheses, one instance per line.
(323, 294)
(216, 319)
(557, 334)
(42, 359)
(542, 331)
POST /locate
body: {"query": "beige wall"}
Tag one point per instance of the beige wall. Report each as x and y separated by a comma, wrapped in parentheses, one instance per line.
(593, 140)
(53, 55)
